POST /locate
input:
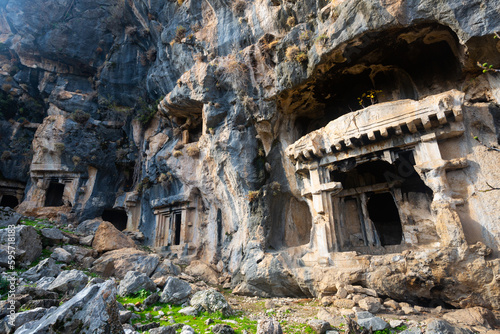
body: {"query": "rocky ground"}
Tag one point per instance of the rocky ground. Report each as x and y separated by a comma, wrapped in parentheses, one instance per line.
(95, 279)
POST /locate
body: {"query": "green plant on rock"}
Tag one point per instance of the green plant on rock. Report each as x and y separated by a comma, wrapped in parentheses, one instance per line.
(80, 116)
(253, 195)
(370, 95)
(305, 35)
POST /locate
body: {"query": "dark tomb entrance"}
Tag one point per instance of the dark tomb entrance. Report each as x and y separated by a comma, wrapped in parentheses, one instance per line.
(177, 224)
(117, 217)
(385, 216)
(10, 201)
(54, 194)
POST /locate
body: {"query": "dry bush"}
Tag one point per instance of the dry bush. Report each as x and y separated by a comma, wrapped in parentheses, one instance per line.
(177, 153)
(6, 87)
(151, 54)
(301, 57)
(180, 33)
(291, 21)
(239, 7)
(192, 150)
(233, 72)
(292, 52)
(130, 30)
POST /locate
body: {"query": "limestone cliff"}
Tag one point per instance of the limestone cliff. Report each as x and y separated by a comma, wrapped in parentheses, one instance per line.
(293, 145)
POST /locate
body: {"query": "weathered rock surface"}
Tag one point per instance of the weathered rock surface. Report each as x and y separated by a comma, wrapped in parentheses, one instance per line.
(319, 326)
(108, 238)
(62, 255)
(203, 271)
(27, 243)
(211, 301)
(117, 263)
(92, 310)
(46, 268)
(22, 318)
(69, 282)
(165, 269)
(52, 236)
(135, 281)
(269, 326)
(163, 330)
(437, 326)
(8, 217)
(222, 329)
(88, 227)
(176, 291)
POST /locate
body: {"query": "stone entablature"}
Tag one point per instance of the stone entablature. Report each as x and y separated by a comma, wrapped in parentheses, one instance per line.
(376, 123)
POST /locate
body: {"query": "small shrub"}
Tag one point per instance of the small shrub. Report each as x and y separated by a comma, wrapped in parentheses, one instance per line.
(239, 7)
(291, 21)
(321, 39)
(59, 147)
(151, 54)
(232, 71)
(180, 33)
(177, 153)
(305, 35)
(130, 30)
(76, 160)
(275, 187)
(143, 185)
(292, 52)
(6, 87)
(253, 195)
(192, 150)
(80, 116)
(301, 57)
(4, 285)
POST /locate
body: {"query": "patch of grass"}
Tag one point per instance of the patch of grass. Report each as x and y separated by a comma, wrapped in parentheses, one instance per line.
(197, 322)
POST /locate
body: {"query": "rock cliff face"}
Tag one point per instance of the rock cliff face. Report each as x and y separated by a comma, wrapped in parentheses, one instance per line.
(294, 145)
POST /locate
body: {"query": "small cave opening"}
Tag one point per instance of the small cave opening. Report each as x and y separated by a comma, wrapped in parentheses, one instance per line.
(177, 228)
(54, 194)
(191, 129)
(117, 217)
(384, 214)
(9, 201)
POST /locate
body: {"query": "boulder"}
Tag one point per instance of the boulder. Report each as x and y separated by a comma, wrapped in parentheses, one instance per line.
(135, 281)
(92, 311)
(79, 253)
(62, 255)
(344, 303)
(125, 316)
(87, 240)
(190, 310)
(44, 282)
(211, 301)
(370, 304)
(46, 268)
(473, 316)
(88, 227)
(269, 326)
(319, 326)
(187, 330)
(151, 299)
(108, 238)
(438, 326)
(69, 282)
(222, 329)
(165, 268)
(36, 292)
(202, 271)
(53, 236)
(163, 330)
(117, 263)
(8, 217)
(28, 244)
(21, 318)
(369, 321)
(176, 291)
